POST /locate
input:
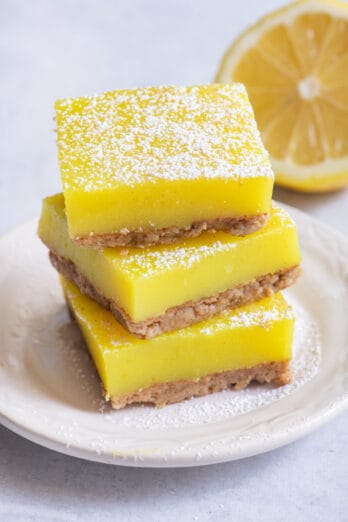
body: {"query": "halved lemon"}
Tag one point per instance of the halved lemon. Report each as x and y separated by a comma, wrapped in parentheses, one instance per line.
(294, 63)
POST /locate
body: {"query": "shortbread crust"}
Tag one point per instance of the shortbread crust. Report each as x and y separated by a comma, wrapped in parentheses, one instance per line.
(161, 394)
(238, 226)
(188, 313)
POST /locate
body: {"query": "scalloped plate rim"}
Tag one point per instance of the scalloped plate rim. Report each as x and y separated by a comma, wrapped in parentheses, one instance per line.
(251, 447)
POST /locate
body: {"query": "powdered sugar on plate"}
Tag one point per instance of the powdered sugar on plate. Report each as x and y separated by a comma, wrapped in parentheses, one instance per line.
(83, 385)
(50, 391)
(228, 404)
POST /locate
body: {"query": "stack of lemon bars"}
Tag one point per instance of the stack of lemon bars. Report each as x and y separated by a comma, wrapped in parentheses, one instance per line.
(170, 250)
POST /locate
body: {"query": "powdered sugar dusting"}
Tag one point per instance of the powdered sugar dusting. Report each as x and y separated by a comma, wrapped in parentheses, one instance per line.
(224, 405)
(191, 252)
(152, 261)
(44, 395)
(206, 410)
(109, 336)
(143, 135)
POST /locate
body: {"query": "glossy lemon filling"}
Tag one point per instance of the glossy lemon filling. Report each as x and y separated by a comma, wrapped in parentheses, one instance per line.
(159, 157)
(146, 282)
(258, 333)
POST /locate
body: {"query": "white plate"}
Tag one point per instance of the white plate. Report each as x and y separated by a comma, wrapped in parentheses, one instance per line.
(49, 392)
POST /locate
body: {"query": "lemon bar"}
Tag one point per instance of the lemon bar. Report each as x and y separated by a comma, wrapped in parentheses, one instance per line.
(153, 165)
(158, 289)
(250, 343)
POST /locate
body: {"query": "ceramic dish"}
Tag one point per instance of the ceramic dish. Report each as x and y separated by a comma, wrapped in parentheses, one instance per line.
(49, 391)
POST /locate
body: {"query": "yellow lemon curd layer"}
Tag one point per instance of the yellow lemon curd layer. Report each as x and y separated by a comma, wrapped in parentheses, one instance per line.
(146, 282)
(160, 156)
(258, 333)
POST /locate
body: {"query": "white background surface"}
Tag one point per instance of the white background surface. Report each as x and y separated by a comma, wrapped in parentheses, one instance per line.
(51, 49)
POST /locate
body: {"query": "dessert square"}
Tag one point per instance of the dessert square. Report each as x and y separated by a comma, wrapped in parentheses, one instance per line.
(158, 164)
(250, 343)
(163, 288)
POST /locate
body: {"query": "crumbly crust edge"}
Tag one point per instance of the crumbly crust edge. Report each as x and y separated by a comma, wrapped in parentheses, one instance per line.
(238, 226)
(278, 373)
(188, 313)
